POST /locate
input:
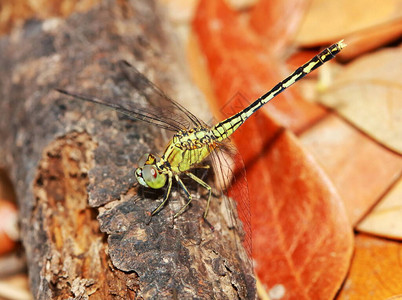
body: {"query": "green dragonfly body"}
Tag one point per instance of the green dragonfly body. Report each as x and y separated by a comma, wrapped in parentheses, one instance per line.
(189, 147)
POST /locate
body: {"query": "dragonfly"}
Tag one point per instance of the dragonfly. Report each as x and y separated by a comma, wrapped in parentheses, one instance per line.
(191, 144)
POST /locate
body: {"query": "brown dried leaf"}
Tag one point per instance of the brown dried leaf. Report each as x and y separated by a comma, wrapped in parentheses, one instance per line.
(386, 218)
(361, 169)
(376, 270)
(369, 94)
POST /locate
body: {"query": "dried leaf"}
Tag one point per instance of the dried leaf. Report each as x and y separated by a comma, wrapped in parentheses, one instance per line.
(361, 169)
(386, 218)
(369, 94)
(376, 270)
(277, 22)
(302, 240)
(371, 38)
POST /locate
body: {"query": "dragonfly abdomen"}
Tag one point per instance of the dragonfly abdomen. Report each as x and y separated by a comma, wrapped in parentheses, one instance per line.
(225, 128)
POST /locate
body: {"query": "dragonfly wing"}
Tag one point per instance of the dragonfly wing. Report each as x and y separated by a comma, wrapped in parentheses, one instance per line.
(170, 109)
(230, 176)
(135, 113)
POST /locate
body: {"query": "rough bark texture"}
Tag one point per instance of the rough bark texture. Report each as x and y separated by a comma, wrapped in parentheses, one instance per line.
(85, 227)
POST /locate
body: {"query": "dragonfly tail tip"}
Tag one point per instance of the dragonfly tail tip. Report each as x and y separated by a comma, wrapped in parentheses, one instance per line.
(342, 44)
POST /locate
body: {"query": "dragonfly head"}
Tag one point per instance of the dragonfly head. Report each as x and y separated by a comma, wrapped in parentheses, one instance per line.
(147, 173)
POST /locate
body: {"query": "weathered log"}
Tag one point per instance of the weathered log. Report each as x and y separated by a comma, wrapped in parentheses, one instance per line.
(85, 226)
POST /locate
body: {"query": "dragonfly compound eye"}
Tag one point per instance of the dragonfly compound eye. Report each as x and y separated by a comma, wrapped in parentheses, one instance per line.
(152, 177)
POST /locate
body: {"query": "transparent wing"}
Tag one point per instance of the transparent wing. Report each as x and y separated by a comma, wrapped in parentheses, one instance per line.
(167, 108)
(231, 181)
(135, 113)
(162, 111)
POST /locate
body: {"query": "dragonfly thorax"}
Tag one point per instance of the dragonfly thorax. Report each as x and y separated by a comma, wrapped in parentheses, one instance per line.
(186, 149)
(148, 174)
(194, 138)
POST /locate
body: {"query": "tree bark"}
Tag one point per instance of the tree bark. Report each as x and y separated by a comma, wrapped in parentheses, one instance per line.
(85, 226)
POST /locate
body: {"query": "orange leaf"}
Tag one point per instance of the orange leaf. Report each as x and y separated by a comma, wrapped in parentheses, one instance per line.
(376, 270)
(277, 21)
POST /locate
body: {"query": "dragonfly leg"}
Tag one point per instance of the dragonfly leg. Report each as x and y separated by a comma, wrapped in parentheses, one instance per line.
(203, 167)
(165, 197)
(187, 194)
(205, 185)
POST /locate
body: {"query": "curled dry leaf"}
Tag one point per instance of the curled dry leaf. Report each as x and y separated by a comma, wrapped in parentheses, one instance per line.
(369, 94)
(371, 38)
